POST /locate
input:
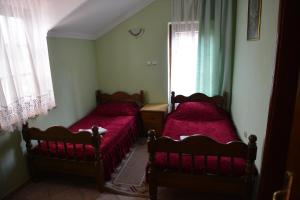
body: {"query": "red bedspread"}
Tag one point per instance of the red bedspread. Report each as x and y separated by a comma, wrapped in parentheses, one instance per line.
(122, 131)
(205, 119)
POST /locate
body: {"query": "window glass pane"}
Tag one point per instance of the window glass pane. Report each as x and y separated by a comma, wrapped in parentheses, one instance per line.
(184, 44)
(21, 72)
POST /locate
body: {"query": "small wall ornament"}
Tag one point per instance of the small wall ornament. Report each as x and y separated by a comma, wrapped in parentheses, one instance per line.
(136, 32)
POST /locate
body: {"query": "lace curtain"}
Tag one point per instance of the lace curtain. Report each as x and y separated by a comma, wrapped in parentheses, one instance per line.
(25, 79)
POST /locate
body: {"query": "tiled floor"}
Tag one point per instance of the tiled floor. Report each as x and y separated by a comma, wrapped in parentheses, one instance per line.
(77, 189)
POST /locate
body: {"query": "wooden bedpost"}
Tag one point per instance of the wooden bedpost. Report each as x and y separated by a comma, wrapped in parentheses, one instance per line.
(142, 97)
(99, 170)
(151, 170)
(250, 166)
(98, 99)
(225, 105)
(26, 137)
(172, 101)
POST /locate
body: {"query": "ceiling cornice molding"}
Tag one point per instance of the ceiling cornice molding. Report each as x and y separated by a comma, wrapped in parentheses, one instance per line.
(123, 18)
(73, 35)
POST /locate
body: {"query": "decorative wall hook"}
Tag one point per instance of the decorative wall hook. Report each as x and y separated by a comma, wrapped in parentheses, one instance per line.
(136, 32)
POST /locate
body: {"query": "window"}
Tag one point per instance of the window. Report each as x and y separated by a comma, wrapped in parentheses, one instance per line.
(201, 47)
(183, 57)
(21, 74)
(25, 79)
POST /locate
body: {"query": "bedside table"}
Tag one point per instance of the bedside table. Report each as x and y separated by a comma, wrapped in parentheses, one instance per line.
(153, 116)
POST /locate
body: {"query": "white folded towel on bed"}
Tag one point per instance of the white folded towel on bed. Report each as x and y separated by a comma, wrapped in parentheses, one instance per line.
(183, 137)
(100, 130)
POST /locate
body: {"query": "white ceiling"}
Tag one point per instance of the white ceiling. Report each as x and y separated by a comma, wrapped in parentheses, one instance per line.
(93, 18)
(56, 10)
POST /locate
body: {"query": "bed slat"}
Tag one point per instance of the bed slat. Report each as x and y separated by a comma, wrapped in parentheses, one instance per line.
(205, 164)
(168, 159)
(65, 149)
(39, 144)
(84, 151)
(56, 148)
(193, 164)
(48, 147)
(218, 165)
(75, 152)
(232, 165)
(180, 162)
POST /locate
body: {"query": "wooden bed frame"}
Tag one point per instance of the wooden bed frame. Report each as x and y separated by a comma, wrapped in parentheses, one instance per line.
(204, 146)
(220, 101)
(71, 165)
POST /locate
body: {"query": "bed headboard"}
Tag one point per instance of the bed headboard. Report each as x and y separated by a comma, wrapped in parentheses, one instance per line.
(217, 100)
(120, 96)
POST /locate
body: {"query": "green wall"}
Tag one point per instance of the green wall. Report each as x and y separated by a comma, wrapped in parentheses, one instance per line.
(253, 73)
(13, 171)
(121, 58)
(73, 68)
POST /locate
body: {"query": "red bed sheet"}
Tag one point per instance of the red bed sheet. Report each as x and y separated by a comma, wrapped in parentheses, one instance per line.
(122, 131)
(219, 129)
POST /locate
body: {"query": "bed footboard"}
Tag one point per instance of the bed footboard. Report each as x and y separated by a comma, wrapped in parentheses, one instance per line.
(205, 181)
(58, 137)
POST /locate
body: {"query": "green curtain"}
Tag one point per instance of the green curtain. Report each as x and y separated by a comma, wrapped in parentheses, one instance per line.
(216, 46)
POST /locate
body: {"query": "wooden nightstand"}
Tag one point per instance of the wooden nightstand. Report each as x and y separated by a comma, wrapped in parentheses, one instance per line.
(153, 116)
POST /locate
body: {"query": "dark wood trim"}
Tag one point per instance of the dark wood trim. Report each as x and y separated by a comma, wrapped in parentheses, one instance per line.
(201, 182)
(70, 164)
(120, 96)
(170, 56)
(282, 101)
(293, 162)
(198, 97)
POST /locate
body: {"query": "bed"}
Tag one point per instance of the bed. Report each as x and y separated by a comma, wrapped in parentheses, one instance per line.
(200, 150)
(83, 148)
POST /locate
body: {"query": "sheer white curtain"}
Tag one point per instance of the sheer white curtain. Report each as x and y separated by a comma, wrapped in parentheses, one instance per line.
(184, 50)
(25, 78)
(184, 46)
